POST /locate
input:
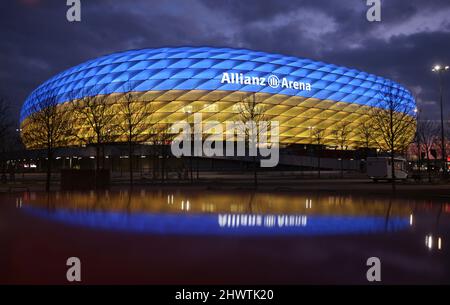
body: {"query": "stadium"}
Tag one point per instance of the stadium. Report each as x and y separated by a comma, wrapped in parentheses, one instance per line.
(301, 94)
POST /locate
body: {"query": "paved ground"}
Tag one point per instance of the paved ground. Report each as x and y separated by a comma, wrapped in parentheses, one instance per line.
(39, 233)
(35, 247)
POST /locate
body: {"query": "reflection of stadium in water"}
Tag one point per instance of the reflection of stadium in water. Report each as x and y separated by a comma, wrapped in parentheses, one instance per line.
(221, 202)
(220, 213)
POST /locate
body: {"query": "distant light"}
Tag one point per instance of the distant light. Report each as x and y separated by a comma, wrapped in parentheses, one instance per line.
(438, 68)
(411, 219)
(439, 243)
(429, 241)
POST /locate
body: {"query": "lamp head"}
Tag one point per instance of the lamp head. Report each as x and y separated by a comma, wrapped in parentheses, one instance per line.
(436, 68)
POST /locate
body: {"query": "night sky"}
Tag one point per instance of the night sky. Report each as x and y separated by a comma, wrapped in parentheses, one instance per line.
(37, 41)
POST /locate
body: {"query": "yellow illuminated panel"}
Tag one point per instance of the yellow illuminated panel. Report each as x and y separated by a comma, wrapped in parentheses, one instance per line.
(297, 116)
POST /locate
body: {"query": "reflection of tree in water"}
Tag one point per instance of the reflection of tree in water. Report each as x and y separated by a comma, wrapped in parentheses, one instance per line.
(388, 215)
(438, 217)
(100, 201)
(128, 202)
(250, 204)
(50, 202)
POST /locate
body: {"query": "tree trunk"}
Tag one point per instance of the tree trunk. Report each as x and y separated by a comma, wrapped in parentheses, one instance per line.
(130, 161)
(163, 165)
(197, 163)
(97, 157)
(428, 166)
(318, 163)
(255, 172)
(154, 167)
(392, 171)
(392, 144)
(103, 156)
(418, 152)
(191, 169)
(49, 169)
(97, 164)
(3, 168)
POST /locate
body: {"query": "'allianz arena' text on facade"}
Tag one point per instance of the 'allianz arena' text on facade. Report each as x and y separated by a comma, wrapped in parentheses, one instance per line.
(301, 94)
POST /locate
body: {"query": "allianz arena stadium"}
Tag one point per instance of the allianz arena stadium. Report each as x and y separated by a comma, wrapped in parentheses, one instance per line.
(301, 94)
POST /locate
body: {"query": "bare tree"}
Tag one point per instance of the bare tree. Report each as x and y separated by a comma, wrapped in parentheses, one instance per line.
(251, 113)
(160, 135)
(394, 117)
(133, 115)
(5, 122)
(318, 136)
(47, 126)
(418, 142)
(5, 129)
(426, 135)
(95, 114)
(367, 133)
(342, 134)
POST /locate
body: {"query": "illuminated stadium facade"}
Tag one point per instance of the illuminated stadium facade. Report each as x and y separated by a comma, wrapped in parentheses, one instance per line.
(301, 94)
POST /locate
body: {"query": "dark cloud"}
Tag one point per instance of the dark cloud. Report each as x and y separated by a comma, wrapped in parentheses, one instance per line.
(37, 41)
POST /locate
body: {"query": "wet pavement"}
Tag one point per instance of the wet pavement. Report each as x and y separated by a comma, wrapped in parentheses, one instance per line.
(176, 236)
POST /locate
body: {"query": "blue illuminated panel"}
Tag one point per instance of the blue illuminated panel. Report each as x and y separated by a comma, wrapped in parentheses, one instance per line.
(201, 68)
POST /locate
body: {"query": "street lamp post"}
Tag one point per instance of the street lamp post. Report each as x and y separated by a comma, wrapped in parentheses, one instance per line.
(439, 70)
